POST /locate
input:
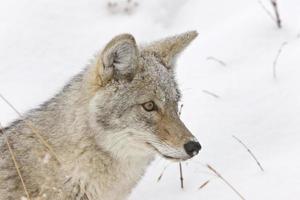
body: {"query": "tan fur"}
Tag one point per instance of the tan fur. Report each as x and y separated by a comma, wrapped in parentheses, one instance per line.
(169, 125)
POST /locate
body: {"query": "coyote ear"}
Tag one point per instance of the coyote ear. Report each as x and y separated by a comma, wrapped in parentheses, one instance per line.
(170, 47)
(119, 59)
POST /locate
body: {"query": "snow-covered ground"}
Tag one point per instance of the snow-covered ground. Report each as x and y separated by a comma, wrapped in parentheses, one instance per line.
(44, 43)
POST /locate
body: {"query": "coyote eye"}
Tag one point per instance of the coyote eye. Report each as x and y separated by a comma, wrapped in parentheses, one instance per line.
(149, 106)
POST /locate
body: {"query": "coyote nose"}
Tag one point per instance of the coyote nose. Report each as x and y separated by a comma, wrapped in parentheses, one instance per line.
(192, 148)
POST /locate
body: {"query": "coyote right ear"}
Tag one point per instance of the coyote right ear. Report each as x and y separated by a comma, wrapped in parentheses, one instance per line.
(118, 60)
(169, 48)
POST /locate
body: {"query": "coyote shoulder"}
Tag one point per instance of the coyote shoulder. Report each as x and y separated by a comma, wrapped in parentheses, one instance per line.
(95, 139)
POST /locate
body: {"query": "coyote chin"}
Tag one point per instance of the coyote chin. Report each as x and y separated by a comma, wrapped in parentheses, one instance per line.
(95, 139)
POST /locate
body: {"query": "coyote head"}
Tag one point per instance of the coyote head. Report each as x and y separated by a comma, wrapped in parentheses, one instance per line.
(134, 106)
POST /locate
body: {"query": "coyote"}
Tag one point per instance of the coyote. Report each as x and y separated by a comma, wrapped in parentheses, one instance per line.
(95, 138)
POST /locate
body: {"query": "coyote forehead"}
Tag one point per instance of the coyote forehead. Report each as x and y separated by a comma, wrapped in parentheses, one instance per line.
(156, 78)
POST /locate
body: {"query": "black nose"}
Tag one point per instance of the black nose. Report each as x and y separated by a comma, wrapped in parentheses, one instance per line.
(192, 148)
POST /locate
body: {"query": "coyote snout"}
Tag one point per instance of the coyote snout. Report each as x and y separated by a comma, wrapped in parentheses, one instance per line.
(177, 142)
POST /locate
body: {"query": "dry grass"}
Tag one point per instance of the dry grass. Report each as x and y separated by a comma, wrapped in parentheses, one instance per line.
(15, 162)
(34, 130)
(250, 152)
(276, 59)
(277, 18)
(225, 181)
(180, 166)
(181, 176)
(203, 184)
(222, 63)
(275, 7)
(267, 11)
(211, 94)
(162, 173)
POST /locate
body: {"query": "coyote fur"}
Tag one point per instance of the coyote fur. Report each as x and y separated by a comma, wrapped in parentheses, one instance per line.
(95, 138)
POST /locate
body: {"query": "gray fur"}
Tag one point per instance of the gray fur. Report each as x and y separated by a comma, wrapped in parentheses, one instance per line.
(98, 128)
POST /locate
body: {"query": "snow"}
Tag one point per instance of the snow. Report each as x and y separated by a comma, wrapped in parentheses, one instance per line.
(44, 43)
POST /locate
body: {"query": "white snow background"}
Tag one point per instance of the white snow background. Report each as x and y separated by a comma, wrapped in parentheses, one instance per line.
(44, 43)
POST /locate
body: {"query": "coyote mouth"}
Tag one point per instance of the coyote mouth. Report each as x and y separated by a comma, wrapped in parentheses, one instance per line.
(165, 156)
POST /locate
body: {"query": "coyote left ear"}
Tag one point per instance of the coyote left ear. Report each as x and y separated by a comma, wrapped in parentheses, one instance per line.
(118, 60)
(170, 47)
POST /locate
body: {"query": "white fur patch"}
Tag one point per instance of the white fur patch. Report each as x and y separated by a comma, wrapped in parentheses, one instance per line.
(46, 158)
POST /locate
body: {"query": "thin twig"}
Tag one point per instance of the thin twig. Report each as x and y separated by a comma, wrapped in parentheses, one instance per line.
(15, 162)
(181, 176)
(216, 60)
(34, 130)
(275, 6)
(203, 185)
(267, 11)
(225, 181)
(211, 94)
(276, 59)
(180, 166)
(162, 173)
(250, 152)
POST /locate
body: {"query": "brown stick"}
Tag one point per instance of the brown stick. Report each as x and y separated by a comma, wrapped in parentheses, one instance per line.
(15, 162)
(181, 176)
(225, 181)
(250, 152)
(203, 185)
(34, 130)
(275, 6)
(276, 59)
